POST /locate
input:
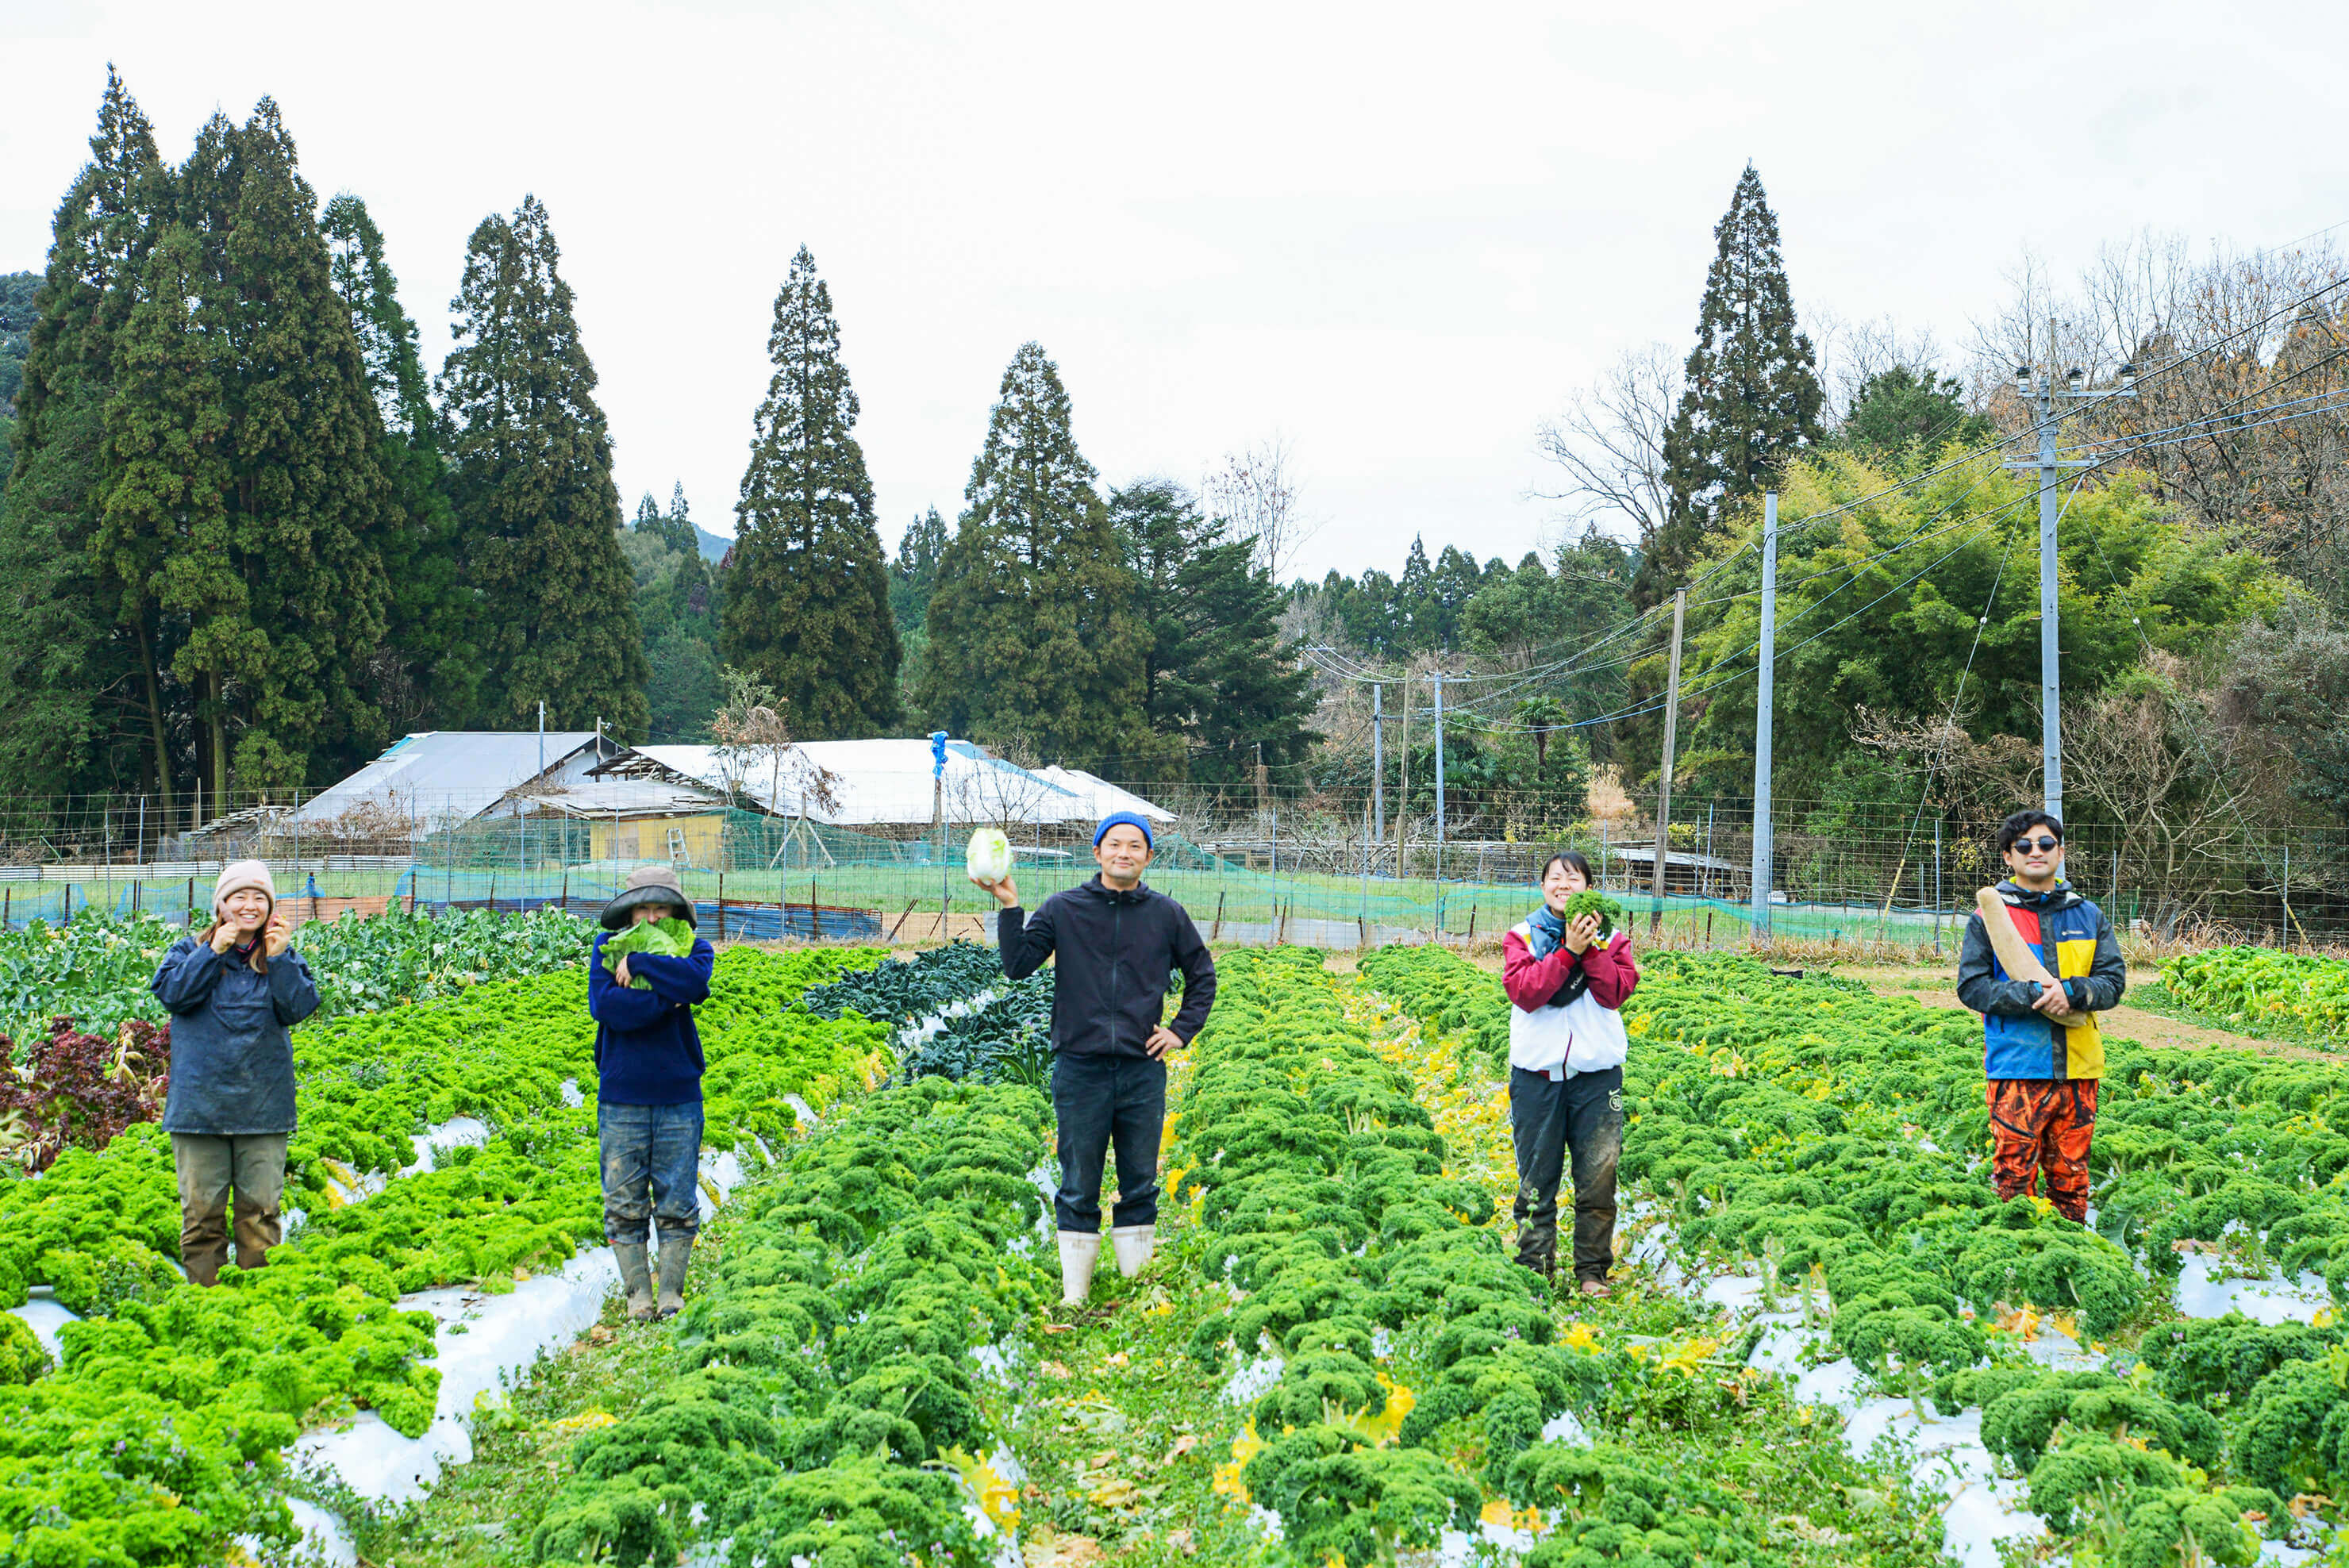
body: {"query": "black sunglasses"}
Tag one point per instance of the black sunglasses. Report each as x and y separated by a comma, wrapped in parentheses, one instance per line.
(2042, 843)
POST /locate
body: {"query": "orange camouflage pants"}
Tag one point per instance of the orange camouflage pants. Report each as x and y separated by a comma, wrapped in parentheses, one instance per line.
(2039, 1124)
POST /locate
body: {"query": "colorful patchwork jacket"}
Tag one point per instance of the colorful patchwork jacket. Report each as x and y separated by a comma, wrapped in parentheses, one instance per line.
(2072, 938)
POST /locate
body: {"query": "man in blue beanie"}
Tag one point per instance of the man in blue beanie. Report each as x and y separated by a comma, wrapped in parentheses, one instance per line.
(1117, 942)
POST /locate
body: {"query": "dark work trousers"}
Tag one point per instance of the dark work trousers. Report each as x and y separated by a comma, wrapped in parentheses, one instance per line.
(651, 1156)
(1099, 1099)
(1581, 1114)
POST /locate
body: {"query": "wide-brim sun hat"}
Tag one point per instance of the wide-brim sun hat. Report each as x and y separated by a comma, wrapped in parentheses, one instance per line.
(648, 884)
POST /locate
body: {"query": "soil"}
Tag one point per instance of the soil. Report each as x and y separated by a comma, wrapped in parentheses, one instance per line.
(1938, 988)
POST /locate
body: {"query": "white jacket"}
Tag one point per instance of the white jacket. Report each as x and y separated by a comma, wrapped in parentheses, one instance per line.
(1580, 1038)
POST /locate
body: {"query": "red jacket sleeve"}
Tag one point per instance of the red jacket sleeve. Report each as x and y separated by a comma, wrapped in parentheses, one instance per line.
(1613, 972)
(1531, 982)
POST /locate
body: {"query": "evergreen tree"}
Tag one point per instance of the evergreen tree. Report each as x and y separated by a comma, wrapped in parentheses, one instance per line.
(309, 507)
(17, 312)
(1753, 394)
(531, 459)
(83, 705)
(808, 607)
(914, 575)
(1906, 418)
(913, 578)
(678, 598)
(1217, 681)
(163, 545)
(429, 675)
(1032, 629)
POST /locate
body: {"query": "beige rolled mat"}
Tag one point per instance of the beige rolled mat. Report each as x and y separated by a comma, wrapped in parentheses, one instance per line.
(2014, 954)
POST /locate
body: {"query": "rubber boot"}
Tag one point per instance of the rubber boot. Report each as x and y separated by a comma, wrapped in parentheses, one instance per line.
(674, 1252)
(1134, 1245)
(636, 1280)
(1080, 1250)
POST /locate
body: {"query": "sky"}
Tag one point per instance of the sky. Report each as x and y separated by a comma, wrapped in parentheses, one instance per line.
(1397, 238)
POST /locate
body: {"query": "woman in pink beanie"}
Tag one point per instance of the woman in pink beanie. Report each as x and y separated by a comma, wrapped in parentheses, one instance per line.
(234, 990)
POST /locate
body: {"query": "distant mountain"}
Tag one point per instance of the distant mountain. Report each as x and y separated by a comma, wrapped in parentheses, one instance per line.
(713, 549)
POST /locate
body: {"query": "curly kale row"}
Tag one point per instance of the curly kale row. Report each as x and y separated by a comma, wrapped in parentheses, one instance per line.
(827, 1354)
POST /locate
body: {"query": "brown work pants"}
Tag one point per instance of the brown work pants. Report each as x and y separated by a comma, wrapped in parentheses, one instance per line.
(254, 1163)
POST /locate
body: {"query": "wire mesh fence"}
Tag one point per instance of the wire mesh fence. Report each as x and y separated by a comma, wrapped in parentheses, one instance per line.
(1252, 863)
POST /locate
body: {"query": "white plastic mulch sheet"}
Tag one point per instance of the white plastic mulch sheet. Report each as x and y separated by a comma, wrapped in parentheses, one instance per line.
(481, 1341)
(1981, 1508)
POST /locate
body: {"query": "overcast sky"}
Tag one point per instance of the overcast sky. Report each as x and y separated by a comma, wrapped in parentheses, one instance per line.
(1397, 235)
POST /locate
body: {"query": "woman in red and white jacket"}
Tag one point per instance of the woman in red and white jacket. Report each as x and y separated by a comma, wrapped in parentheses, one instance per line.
(1566, 1047)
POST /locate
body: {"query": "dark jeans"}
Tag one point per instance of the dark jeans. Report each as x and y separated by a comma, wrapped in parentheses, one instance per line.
(1582, 1113)
(1099, 1099)
(651, 1156)
(207, 1166)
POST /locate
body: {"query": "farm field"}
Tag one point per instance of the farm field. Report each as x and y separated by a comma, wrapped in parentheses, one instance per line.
(1830, 1343)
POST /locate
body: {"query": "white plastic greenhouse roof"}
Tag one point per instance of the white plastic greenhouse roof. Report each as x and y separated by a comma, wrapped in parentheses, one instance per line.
(1101, 796)
(437, 772)
(888, 782)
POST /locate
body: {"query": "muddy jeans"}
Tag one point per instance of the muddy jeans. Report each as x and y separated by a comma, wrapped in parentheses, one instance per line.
(254, 1163)
(1549, 1117)
(651, 1156)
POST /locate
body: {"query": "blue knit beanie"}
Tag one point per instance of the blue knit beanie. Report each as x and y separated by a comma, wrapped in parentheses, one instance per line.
(1131, 819)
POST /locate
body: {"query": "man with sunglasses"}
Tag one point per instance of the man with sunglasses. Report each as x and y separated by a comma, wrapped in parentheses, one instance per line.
(2040, 1050)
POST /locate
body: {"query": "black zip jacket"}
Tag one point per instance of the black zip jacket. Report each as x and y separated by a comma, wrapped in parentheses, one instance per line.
(1116, 951)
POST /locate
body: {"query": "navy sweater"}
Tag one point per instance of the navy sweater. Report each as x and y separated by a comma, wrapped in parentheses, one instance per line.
(648, 1051)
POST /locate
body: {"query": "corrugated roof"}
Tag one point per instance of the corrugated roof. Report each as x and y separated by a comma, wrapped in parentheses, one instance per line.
(622, 797)
(440, 771)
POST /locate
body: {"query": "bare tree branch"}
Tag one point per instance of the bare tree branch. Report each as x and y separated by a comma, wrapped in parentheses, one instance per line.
(1611, 440)
(1256, 492)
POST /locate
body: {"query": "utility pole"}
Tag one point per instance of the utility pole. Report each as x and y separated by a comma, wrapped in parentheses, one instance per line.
(1377, 769)
(1402, 781)
(1439, 775)
(1768, 679)
(938, 823)
(1671, 739)
(2042, 398)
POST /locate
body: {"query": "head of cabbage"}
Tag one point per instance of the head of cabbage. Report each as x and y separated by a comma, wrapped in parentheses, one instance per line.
(988, 858)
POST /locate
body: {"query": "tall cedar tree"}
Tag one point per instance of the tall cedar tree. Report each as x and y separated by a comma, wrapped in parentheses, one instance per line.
(678, 599)
(808, 607)
(308, 505)
(1753, 395)
(164, 542)
(531, 475)
(914, 575)
(84, 703)
(427, 674)
(913, 578)
(1218, 680)
(1033, 634)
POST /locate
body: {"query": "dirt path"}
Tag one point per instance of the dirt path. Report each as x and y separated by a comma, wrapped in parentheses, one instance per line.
(1938, 988)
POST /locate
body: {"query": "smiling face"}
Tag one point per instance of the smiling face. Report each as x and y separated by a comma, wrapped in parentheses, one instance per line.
(245, 910)
(644, 911)
(2036, 859)
(1123, 854)
(1559, 882)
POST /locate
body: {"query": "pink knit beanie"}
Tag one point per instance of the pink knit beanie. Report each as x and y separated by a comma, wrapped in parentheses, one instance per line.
(238, 875)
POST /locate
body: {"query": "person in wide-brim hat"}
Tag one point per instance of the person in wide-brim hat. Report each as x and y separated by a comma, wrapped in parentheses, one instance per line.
(649, 1092)
(653, 885)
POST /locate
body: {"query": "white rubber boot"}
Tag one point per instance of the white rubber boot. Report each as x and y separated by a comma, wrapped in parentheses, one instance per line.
(1133, 1245)
(1079, 1252)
